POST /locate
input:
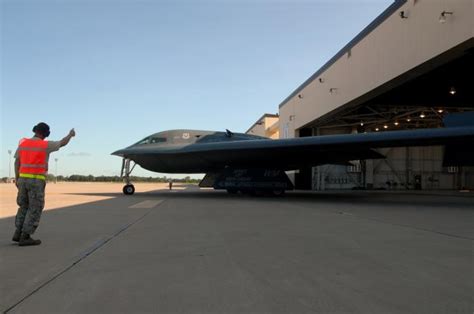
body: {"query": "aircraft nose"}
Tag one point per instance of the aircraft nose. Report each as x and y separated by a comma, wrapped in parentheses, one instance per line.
(119, 152)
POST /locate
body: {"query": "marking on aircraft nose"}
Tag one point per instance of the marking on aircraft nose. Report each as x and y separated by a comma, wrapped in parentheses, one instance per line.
(146, 204)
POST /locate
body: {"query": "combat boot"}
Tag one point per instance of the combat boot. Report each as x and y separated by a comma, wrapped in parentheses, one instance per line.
(16, 235)
(26, 240)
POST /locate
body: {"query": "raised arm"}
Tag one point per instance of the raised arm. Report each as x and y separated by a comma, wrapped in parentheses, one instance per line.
(67, 138)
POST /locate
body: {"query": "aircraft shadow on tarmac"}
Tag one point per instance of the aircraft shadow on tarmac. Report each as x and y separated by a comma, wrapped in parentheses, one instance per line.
(358, 203)
(369, 198)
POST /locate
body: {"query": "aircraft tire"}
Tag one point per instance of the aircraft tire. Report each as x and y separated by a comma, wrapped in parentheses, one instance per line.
(278, 192)
(129, 189)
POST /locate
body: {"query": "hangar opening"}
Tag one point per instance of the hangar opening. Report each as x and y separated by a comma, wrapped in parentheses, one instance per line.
(419, 98)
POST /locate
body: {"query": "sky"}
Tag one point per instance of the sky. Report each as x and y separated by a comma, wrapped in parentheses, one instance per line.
(119, 70)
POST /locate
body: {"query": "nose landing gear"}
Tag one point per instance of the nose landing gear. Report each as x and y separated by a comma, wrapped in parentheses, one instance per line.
(128, 189)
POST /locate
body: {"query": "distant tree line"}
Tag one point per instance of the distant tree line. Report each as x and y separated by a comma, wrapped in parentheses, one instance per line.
(91, 178)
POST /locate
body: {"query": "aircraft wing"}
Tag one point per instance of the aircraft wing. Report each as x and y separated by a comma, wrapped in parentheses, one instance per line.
(293, 153)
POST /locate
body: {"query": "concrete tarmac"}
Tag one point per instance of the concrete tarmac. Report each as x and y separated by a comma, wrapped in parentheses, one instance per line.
(204, 251)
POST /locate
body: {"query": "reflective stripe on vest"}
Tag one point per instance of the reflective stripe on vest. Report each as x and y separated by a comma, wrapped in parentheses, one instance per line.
(32, 155)
(33, 176)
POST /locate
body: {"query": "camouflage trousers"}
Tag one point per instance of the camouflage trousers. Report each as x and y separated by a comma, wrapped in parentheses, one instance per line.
(30, 200)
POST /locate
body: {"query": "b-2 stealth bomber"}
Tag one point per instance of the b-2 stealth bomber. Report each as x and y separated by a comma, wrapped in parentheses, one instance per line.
(252, 164)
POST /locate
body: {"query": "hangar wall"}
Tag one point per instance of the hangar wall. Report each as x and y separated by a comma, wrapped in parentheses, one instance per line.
(384, 52)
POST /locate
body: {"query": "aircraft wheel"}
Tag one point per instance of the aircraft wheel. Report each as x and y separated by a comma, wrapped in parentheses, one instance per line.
(129, 189)
(278, 192)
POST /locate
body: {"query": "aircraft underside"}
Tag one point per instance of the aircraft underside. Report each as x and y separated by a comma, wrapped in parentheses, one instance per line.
(256, 181)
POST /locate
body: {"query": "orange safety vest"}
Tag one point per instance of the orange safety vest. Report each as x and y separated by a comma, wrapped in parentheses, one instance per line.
(33, 156)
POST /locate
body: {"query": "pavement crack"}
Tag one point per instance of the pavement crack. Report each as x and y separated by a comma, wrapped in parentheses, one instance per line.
(81, 257)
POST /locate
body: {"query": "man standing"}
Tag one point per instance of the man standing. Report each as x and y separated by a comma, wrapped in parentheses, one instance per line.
(31, 168)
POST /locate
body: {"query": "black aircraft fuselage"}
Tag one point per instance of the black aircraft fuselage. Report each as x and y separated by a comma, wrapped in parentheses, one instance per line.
(176, 151)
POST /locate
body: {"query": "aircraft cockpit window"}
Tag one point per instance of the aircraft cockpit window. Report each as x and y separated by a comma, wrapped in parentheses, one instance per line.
(144, 141)
(157, 140)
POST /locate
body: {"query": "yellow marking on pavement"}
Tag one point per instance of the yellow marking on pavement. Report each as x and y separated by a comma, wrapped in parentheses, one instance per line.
(146, 204)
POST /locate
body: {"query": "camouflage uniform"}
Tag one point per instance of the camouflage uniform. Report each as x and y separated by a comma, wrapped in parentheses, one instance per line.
(31, 203)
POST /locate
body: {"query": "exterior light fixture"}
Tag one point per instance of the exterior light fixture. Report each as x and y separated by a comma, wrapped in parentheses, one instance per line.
(440, 110)
(361, 123)
(422, 115)
(377, 129)
(300, 96)
(408, 119)
(385, 126)
(403, 15)
(442, 16)
(321, 80)
(396, 123)
(452, 91)
(333, 90)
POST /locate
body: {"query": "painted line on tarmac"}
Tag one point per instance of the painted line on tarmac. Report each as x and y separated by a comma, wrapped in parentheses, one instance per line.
(81, 257)
(146, 204)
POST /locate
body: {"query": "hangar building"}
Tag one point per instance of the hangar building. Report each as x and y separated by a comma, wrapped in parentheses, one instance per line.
(407, 69)
(268, 126)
